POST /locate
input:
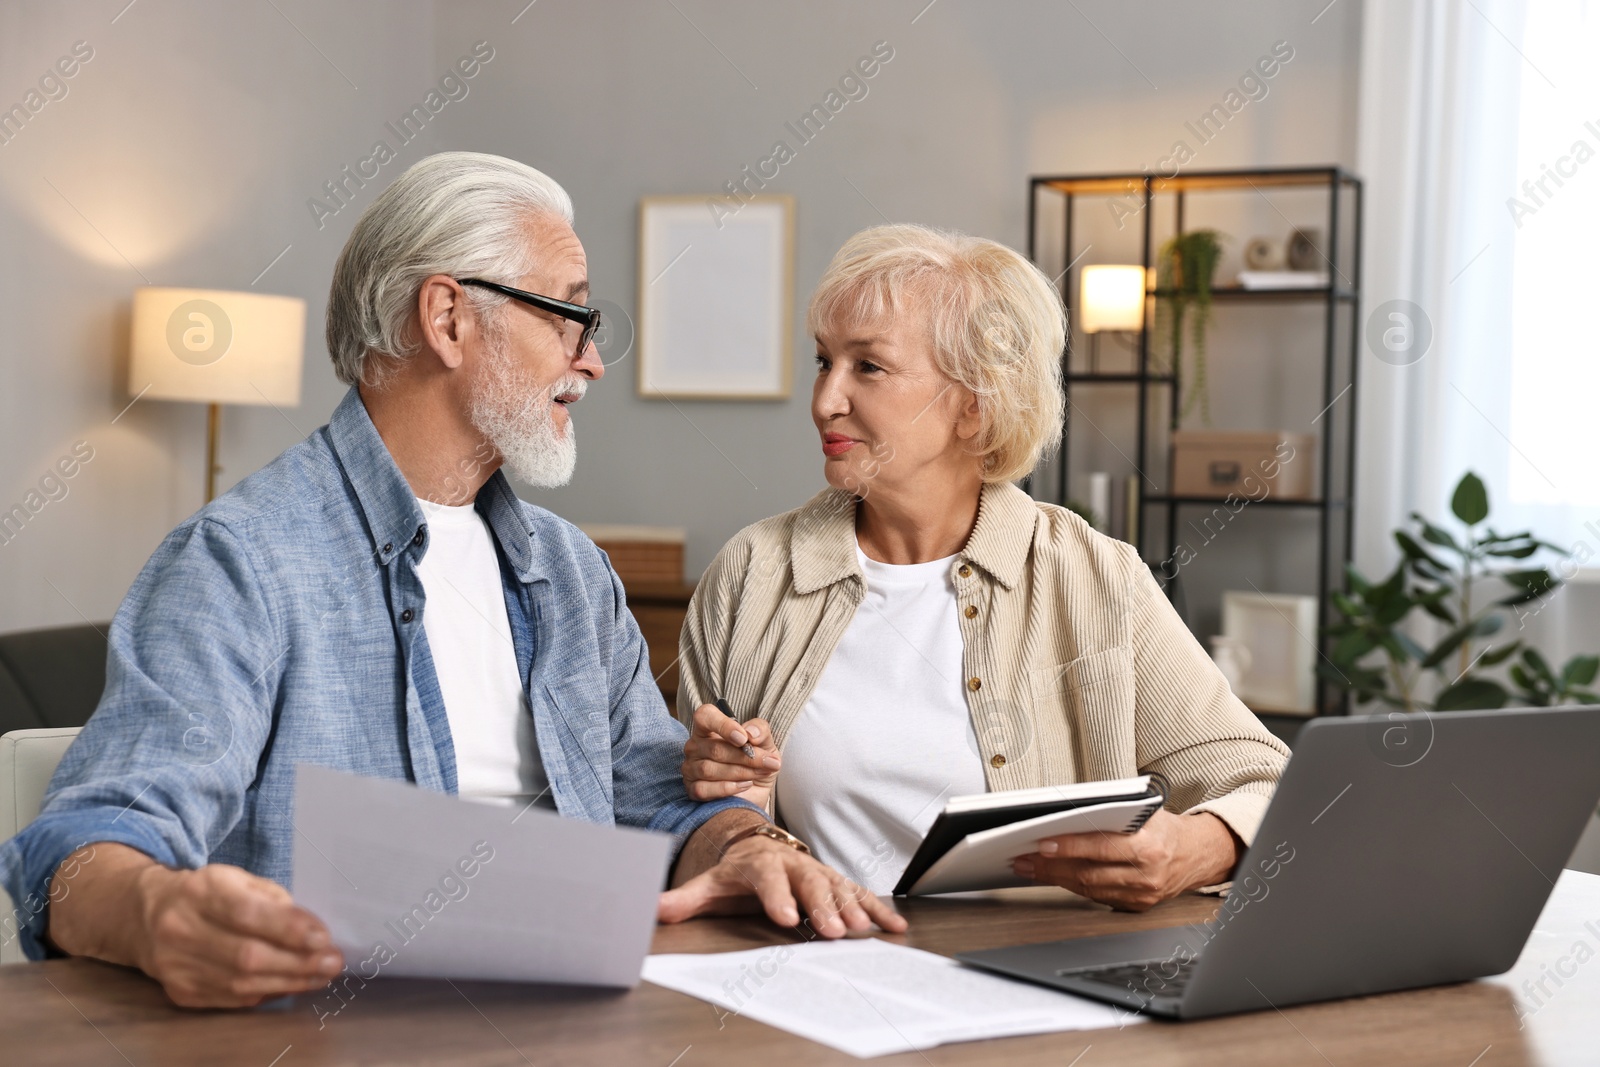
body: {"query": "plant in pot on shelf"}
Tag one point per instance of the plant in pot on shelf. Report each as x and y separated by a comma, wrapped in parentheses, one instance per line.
(1185, 266)
(1377, 658)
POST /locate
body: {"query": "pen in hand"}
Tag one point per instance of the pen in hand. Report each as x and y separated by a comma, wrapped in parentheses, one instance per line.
(722, 706)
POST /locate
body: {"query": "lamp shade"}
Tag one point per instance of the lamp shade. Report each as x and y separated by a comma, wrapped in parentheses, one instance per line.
(1112, 298)
(217, 347)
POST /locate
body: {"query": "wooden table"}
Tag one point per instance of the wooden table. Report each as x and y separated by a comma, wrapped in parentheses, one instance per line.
(81, 1012)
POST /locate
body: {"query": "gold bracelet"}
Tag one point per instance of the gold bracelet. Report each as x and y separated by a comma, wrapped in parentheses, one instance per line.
(766, 829)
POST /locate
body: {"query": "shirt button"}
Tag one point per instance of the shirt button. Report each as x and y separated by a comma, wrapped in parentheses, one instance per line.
(421, 531)
(971, 612)
(974, 684)
(407, 615)
(388, 547)
(964, 570)
(997, 760)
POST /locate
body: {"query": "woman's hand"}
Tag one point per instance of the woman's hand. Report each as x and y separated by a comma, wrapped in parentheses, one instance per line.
(1170, 854)
(757, 873)
(714, 763)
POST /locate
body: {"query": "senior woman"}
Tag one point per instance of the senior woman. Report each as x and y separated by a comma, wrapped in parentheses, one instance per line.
(924, 629)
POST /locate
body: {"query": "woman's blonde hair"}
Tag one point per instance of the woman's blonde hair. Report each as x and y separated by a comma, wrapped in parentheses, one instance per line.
(997, 325)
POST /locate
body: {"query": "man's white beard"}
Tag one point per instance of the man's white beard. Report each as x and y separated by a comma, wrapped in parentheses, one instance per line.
(518, 418)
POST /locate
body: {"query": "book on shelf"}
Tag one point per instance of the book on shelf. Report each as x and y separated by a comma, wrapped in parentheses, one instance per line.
(1283, 279)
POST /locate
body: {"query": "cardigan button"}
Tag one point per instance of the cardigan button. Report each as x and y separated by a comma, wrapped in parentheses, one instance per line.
(971, 612)
(974, 684)
(997, 760)
(964, 570)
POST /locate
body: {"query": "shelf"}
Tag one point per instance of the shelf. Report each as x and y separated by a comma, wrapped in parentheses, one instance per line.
(1196, 181)
(1318, 295)
(1130, 378)
(1268, 502)
(1321, 314)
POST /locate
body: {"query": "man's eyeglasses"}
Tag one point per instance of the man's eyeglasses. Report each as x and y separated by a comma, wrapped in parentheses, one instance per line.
(588, 316)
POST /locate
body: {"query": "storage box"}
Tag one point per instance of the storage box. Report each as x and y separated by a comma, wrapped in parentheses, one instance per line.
(642, 555)
(1254, 464)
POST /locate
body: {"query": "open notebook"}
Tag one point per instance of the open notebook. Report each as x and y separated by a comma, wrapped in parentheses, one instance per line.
(971, 844)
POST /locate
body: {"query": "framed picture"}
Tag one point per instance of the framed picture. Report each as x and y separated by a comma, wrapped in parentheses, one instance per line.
(716, 318)
(1280, 631)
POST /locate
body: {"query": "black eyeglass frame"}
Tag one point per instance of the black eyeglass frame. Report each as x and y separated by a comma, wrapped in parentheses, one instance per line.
(588, 316)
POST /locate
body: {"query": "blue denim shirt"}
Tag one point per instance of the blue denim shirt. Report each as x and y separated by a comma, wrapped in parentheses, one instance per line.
(283, 623)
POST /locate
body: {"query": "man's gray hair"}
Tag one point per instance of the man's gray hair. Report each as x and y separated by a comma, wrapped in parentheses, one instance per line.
(464, 214)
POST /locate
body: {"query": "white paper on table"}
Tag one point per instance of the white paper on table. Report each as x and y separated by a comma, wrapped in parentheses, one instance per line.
(384, 863)
(870, 997)
(983, 860)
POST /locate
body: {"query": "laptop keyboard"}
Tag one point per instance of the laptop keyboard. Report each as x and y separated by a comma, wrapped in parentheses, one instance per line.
(1148, 978)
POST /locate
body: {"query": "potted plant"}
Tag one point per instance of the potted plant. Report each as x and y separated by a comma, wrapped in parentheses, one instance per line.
(1185, 266)
(1440, 574)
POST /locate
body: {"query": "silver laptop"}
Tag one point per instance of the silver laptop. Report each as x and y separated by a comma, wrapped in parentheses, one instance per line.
(1399, 851)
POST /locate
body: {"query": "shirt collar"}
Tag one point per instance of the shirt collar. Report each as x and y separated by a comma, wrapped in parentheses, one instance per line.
(390, 507)
(822, 546)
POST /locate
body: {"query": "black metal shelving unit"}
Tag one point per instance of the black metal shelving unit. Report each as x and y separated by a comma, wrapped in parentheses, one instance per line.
(1335, 432)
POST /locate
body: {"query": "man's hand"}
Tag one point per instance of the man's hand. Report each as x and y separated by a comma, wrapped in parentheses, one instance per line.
(714, 763)
(1170, 854)
(784, 880)
(217, 937)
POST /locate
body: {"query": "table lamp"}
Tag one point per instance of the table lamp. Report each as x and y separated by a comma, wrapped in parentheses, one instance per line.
(1111, 299)
(216, 347)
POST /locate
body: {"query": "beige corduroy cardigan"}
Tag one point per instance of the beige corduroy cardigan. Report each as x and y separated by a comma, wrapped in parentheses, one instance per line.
(1077, 668)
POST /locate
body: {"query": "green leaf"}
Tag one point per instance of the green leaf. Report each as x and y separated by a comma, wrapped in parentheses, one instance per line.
(1534, 584)
(1413, 550)
(1353, 646)
(1453, 640)
(1357, 581)
(1534, 580)
(1439, 611)
(1347, 607)
(1520, 552)
(1392, 645)
(1414, 650)
(1583, 696)
(1471, 500)
(1580, 670)
(1471, 693)
(1523, 679)
(1393, 611)
(1499, 655)
(1436, 535)
(1539, 664)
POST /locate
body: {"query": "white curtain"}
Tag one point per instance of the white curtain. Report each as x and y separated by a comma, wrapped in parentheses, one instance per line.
(1441, 85)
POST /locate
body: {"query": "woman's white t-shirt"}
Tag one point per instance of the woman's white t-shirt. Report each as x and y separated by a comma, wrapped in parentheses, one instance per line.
(886, 736)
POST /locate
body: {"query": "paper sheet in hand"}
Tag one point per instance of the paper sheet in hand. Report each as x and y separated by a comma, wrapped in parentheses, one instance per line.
(451, 888)
(870, 997)
(983, 860)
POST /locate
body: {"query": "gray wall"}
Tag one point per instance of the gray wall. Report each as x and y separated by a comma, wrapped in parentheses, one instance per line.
(186, 149)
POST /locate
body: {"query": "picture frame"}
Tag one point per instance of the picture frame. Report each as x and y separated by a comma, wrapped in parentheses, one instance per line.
(1280, 632)
(716, 299)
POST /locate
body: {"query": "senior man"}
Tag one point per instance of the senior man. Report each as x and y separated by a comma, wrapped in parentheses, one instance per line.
(378, 600)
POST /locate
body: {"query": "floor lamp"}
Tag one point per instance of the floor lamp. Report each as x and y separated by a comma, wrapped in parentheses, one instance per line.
(216, 347)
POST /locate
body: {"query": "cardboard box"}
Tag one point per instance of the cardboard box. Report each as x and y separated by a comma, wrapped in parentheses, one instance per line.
(1254, 464)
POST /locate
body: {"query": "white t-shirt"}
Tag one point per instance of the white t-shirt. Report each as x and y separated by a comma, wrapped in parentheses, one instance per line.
(886, 737)
(469, 636)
